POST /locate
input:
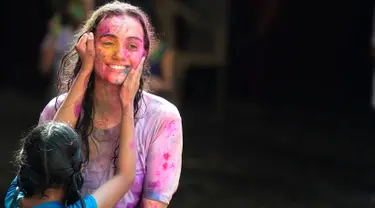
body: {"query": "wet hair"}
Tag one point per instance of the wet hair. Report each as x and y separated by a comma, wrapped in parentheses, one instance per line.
(50, 157)
(71, 64)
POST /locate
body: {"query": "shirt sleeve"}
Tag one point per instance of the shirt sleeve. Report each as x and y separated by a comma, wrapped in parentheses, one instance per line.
(50, 110)
(164, 159)
(10, 194)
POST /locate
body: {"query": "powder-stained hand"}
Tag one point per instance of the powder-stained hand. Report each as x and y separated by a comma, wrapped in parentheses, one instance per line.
(86, 50)
(131, 84)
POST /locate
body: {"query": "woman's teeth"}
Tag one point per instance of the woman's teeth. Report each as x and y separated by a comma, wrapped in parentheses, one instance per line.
(118, 67)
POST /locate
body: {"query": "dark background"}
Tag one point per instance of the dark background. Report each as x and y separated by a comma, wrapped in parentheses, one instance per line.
(296, 128)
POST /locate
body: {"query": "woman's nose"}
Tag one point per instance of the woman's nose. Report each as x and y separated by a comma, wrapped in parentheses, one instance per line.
(121, 53)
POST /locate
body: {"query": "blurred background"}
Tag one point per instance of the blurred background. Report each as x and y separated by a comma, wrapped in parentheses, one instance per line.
(276, 96)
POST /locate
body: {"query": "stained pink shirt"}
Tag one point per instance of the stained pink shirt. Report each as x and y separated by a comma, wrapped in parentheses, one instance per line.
(158, 134)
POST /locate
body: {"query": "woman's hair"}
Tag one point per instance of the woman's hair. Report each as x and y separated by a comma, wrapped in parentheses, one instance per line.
(50, 157)
(71, 64)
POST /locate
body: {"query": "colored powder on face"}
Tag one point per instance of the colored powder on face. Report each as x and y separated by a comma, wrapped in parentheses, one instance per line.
(100, 56)
(127, 71)
(103, 30)
(77, 109)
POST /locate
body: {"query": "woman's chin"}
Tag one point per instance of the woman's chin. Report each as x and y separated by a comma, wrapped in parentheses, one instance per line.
(110, 76)
(116, 80)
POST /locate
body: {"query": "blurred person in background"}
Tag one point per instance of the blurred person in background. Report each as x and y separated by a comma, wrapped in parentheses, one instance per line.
(60, 36)
(162, 57)
(162, 66)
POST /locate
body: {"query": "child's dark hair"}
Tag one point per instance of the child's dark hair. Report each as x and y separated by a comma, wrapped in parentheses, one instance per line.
(50, 157)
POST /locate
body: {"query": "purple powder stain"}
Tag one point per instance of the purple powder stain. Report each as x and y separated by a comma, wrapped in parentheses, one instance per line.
(77, 109)
(131, 205)
(153, 185)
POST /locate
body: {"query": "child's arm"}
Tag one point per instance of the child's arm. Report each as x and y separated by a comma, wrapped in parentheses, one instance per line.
(70, 109)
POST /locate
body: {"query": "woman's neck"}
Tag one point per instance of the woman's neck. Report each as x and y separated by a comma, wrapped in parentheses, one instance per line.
(107, 104)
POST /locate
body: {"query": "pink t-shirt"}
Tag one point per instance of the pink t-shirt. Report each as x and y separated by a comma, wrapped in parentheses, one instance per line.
(158, 134)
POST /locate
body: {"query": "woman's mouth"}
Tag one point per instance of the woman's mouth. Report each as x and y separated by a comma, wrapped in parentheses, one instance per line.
(119, 67)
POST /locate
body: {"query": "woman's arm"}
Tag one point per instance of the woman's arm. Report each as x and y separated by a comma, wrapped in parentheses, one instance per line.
(164, 159)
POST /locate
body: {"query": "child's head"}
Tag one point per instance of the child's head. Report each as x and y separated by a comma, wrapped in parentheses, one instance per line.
(50, 158)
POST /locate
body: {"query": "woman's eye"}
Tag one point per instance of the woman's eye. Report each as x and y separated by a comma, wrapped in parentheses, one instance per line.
(132, 47)
(108, 43)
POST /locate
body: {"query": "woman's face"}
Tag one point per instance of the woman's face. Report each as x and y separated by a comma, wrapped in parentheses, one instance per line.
(119, 46)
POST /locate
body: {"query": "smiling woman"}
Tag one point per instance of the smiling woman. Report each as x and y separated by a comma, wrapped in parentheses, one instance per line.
(119, 42)
(123, 37)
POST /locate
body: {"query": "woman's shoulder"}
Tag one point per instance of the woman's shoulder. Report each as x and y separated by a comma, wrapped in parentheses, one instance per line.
(156, 105)
(59, 99)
